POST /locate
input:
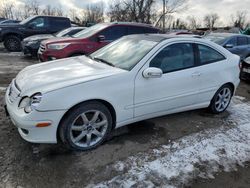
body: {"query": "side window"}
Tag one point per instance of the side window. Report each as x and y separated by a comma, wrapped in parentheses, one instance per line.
(242, 41)
(113, 33)
(58, 24)
(151, 30)
(174, 57)
(209, 55)
(37, 23)
(136, 30)
(232, 41)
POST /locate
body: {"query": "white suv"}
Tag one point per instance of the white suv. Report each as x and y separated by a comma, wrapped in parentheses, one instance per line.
(80, 100)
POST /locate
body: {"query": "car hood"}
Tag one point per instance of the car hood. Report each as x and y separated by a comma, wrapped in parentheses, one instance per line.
(45, 77)
(38, 37)
(10, 25)
(59, 40)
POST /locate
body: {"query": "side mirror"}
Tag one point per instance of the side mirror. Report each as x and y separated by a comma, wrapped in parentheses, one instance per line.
(229, 46)
(100, 38)
(152, 72)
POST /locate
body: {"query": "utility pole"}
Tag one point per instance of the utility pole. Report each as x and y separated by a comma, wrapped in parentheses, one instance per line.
(164, 14)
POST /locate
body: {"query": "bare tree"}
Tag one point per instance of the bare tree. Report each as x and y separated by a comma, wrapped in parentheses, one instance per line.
(132, 10)
(210, 20)
(31, 8)
(169, 7)
(7, 9)
(193, 22)
(94, 13)
(239, 20)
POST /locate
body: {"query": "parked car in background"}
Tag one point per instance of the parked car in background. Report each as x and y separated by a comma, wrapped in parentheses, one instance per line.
(30, 45)
(236, 43)
(9, 21)
(90, 39)
(80, 100)
(13, 34)
(245, 69)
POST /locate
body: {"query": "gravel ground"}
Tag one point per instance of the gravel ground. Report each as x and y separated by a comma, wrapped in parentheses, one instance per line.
(24, 164)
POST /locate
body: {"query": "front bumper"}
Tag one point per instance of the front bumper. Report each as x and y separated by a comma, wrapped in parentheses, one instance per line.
(26, 123)
(30, 50)
(49, 55)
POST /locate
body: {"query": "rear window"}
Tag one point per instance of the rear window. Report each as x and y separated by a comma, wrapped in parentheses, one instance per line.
(59, 23)
(136, 30)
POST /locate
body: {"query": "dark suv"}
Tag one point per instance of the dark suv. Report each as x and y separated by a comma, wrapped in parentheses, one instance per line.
(90, 39)
(12, 34)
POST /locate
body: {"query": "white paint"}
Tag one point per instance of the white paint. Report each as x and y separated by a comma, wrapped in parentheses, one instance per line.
(134, 97)
(197, 155)
(2, 88)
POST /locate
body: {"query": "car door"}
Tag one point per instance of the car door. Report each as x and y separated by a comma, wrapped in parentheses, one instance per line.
(212, 68)
(176, 88)
(110, 34)
(38, 25)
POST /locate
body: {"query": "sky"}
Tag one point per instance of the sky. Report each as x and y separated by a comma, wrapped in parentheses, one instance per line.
(197, 8)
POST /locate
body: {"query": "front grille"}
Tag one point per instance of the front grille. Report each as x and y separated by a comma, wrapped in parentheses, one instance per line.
(13, 92)
(42, 48)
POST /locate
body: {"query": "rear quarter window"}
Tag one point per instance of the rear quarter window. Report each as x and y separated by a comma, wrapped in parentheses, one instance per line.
(208, 55)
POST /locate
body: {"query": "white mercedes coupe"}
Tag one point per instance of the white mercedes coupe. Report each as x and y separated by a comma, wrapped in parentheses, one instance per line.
(80, 100)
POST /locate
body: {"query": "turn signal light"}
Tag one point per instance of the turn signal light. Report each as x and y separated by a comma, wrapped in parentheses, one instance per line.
(43, 124)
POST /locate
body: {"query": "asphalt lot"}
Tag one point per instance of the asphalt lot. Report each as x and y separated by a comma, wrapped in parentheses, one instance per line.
(130, 149)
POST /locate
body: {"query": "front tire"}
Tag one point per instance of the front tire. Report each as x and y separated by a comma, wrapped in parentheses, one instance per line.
(86, 126)
(221, 99)
(12, 43)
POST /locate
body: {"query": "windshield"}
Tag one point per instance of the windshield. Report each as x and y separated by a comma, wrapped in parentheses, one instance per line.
(90, 31)
(26, 20)
(63, 32)
(217, 39)
(124, 53)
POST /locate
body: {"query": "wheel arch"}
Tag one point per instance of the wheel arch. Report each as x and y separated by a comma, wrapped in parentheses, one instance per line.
(104, 102)
(12, 34)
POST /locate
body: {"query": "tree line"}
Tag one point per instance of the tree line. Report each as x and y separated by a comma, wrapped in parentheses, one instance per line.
(157, 12)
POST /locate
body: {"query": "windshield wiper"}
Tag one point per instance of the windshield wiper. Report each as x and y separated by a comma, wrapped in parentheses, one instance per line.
(103, 61)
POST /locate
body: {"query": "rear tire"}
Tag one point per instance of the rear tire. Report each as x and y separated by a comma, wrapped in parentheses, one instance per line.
(86, 126)
(221, 99)
(12, 43)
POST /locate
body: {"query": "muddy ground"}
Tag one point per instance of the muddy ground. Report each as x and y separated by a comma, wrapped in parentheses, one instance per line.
(23, 164)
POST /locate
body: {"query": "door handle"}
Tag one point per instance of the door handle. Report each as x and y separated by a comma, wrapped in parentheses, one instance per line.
(195, 74)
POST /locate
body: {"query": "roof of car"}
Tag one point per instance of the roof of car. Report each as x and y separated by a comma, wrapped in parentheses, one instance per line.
(132, 23)
(226, 34)
(161, 37)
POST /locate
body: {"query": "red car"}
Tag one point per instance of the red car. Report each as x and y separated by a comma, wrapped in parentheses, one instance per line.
(90, 40)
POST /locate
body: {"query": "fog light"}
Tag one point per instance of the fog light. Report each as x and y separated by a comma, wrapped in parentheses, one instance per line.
(25, 131)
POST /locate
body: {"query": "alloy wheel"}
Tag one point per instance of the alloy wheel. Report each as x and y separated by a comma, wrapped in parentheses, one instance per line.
(88, 128)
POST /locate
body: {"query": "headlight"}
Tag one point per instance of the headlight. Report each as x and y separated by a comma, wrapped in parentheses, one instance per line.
(30, 103)
(32, 42)
(58, 46)
(0, 29)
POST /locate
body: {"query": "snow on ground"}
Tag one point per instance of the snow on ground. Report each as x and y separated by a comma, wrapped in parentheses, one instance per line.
(197, 155)
(2, 88)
